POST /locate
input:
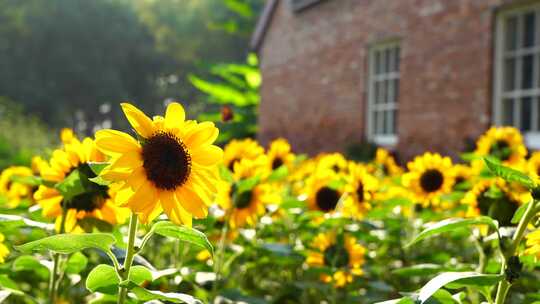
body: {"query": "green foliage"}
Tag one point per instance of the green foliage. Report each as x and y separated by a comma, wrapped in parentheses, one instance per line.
(509, 174)
(70, 243)
(236, 90)
(32, 137)
(186, 234)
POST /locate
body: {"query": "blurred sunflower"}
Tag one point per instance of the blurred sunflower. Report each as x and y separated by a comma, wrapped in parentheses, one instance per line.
(335, 162)
(14, 191)
(244, 199)
(384, 164)
(533, 244)
(94, 202)
(236, 150)
(361, 187)
(495, 198)
(36, 164)
(343, 254)
(324, 190)
(4, 251)
(504, 143)
(462, 175)
(279, 154)
(429, 176)
(533, 166)
(173, 166)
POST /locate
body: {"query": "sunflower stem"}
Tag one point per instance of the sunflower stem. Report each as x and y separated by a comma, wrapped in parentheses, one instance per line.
(130, 254)
(504, 285)
(219, 254)
(56, 261)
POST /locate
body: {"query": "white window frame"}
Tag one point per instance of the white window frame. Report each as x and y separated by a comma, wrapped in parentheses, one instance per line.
(532, 138)
(387, 140)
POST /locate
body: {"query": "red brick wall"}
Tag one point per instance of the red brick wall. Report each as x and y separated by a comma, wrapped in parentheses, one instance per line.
(314, 67)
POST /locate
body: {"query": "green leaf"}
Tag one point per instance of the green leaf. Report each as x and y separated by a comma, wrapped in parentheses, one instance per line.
(27, 180)
(8, 221)
(100, 181)
(405, 300)
(183, 233)
(7, 284)
(71, 186)
(76, 263)
(419, 270)
(464, 278)
(30, 263)
(97, 167)
(70, 243)
(508, 174)
(452, 224)
(476, 281)
(279, 174)
(103, 278)
(146, 295)
(225, 174)
(247, 184)
(519, 213)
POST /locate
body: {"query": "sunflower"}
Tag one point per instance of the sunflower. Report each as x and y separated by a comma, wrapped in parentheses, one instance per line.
(173, 166)
(533, 166)
(94, 202)
(504, 143)
(463, 175)
(279, 154)
(361, 187)
(333, 161)
(236, 150)
(343, 254)
(533, 244)
(244, 203)
(429, 176)
(495, 198)
(15, 191)
(384, 164)
(324, 190)
(4, 251)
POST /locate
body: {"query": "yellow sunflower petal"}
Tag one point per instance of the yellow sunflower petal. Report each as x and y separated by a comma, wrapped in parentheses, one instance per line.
(204, 133)
(174, 116)
(207, 155)
(138, 120)
(112, 141)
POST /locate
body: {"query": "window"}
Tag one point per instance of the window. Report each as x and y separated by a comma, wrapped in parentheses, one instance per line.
(383, 93)
(517, 79)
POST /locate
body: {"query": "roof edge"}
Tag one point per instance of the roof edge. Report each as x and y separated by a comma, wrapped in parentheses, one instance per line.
(262, 25)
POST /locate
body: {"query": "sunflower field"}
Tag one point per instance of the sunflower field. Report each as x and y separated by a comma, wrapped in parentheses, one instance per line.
(163, 215)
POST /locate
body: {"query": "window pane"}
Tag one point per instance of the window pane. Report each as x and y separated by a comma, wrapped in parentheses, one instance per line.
(511, 33)
(376, 89)
(529, 29)
(379, 119)
(387, 55)
(396, 90)
(394, 122)
(508, 112)
(384, 91)
(391, 91)
(526, 113)
(527, 72)
(389, 124)
(509, 74)
(378, 63)
(397, 50)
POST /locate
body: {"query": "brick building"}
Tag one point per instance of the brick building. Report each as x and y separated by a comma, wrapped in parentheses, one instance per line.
(411, 75)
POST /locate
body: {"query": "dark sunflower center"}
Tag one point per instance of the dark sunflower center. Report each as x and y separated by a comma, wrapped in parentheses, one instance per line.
(94, 195)
(278, 162)
(460, 179)
(231, 164)
(242, 199)
(335, 168)
(327, 199)
(499, 207)
(501, 150)
(166, 161)
(431, 180)
(360, 192)
(336, 256)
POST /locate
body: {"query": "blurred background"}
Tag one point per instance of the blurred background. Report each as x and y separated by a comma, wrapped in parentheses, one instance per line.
(68, 63)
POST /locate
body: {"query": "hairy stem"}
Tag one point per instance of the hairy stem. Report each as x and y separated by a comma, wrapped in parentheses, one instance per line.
(56, 261)
(504, 285)
(130, 255)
